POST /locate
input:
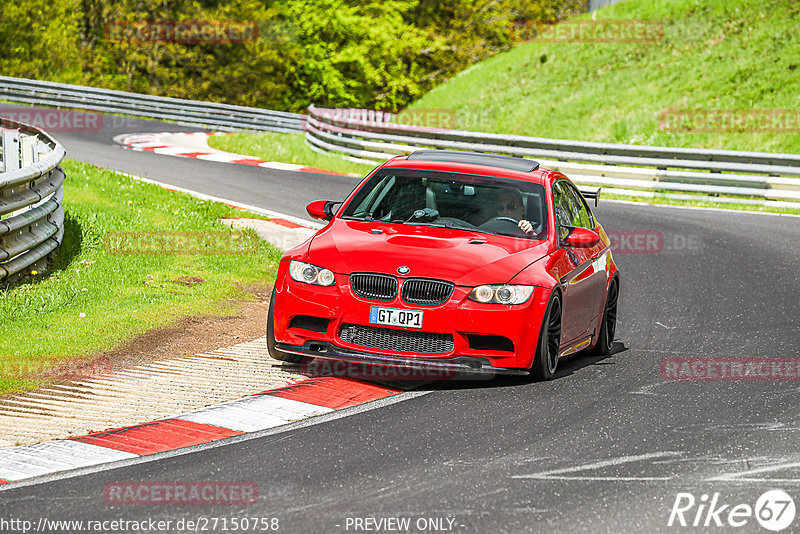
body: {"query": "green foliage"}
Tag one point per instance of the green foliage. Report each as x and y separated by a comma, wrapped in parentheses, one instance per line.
(37, 39)
(376, 54)
(358, 55)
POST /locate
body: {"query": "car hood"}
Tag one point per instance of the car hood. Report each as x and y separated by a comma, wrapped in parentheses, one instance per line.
(463, 257)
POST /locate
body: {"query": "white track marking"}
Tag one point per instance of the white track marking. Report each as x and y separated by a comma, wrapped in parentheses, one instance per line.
(557, 474)
(35, 460)
(251, 414)
(280, 166)
(170, 151)
(743, 475)
(218, 157)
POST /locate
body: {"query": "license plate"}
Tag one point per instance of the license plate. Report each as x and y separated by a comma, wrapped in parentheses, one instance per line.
(395, 317)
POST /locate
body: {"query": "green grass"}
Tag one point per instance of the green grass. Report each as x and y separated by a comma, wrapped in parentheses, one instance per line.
(285, 148)
(715, 54)
(94, 299)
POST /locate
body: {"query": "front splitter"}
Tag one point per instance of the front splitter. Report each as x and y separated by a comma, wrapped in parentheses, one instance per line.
(462, 367)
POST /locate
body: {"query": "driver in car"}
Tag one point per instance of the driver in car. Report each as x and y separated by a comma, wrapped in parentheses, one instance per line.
(509, 204)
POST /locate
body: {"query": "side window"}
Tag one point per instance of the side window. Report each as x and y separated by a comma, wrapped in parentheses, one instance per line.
(561, 205)
(581, 215)
(375, 194)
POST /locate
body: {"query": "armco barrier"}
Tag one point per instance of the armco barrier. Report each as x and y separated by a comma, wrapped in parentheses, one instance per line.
(772, 178)
(755, 178)
(188, 112)
(31, 194)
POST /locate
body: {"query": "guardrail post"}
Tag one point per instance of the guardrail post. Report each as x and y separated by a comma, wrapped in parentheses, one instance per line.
(10, 151)
(28, 152)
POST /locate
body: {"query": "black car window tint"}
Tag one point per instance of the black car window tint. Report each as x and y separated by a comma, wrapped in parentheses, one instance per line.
(370, 196)
(563, 215)
(571, 208)
(583, 216)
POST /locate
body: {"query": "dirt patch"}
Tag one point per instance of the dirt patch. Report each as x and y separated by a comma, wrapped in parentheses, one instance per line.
(188, 281)
(191, 335)
(261, 291)
(195, 334)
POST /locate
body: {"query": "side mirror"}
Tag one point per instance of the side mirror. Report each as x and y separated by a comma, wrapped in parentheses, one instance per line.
(321, 209)
(582, 238)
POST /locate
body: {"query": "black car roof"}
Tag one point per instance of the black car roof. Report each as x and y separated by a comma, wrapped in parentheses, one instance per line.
(475, 158)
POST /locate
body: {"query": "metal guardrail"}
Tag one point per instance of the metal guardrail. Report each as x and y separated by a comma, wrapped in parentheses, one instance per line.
(31, 196)
(594, 5)
(772, 178)
(188, 112)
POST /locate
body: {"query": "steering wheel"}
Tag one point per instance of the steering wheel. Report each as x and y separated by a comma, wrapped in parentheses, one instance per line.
(509, 219)
(506, 221)
(507, 225)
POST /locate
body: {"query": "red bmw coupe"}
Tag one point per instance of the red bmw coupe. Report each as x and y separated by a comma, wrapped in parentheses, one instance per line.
(452, 261)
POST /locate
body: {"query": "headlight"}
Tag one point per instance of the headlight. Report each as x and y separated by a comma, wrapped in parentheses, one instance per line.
(501, 294)
(311, 274)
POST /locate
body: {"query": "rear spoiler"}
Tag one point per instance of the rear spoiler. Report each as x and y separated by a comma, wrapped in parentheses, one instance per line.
(591, 192)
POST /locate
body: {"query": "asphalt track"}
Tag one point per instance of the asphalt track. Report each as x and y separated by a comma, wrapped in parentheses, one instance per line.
(605, 447)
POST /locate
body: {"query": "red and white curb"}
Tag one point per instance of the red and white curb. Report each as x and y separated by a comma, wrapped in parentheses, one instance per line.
(266, 410)
(195, 145)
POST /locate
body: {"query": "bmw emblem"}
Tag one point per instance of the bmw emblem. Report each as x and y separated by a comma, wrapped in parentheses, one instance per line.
(403, 270)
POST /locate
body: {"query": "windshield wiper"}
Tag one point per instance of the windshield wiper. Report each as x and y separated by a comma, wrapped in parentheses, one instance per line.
(437, 224)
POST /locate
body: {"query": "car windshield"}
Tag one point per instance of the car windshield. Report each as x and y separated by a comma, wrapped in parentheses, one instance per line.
(475, 203)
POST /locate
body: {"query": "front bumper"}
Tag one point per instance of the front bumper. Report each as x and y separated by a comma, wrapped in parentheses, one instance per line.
(461, 367)
(463, 320)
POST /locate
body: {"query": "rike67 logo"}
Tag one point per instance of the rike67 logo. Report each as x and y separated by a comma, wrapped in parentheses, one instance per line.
(774, 510)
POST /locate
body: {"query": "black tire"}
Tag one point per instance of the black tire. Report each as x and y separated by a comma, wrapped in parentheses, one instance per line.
(605, 341)
(546, 360)
(273, 351)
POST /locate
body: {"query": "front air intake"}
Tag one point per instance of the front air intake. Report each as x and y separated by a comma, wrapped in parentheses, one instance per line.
(396, 340)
